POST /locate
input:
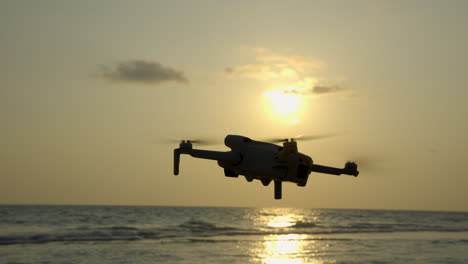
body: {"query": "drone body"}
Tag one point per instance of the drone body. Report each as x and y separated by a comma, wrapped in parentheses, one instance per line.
(262, 161)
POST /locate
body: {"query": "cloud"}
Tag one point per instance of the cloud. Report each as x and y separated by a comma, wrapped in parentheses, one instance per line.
(297, 74)
(269, 65)
(314, 90)
(258, 71)
(140, 71)
(327, 89)
(299, 63)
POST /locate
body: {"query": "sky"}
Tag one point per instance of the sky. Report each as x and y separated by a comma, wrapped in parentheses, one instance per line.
(93, 92)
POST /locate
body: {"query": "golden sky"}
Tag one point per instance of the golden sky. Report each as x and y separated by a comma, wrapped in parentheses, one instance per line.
(89, 90)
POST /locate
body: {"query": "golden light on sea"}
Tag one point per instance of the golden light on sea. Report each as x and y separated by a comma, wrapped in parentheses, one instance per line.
(282, 221)
(282, 249)
(284, 245)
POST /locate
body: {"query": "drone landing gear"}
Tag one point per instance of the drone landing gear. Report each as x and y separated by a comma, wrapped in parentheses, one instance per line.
(278, 187)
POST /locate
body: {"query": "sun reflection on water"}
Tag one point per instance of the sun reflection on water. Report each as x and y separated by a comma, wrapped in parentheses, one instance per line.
(282, 247)
(282, 221)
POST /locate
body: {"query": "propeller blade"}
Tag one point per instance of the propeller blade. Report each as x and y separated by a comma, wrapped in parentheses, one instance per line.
(299, 138)
(205, 142)
(275, 140)
(313, 137)
(371, 163)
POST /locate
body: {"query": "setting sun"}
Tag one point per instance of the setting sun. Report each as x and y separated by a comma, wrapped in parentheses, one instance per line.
(283, 104)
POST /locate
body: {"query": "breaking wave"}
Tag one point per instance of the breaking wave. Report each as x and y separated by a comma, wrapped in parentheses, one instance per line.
(194, 229)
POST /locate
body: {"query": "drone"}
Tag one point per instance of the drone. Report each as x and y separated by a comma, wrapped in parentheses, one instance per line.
(263, 161)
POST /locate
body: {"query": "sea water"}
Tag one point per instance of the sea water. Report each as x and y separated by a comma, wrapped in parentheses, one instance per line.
(140, 234)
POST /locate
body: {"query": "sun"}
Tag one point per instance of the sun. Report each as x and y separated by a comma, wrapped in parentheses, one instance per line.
(284, 105)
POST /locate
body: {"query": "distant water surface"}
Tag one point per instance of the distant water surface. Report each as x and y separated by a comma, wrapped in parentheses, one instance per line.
(138, 234)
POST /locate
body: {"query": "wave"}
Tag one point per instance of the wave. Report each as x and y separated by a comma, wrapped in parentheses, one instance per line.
(217, 240)
(191, 228)
(193, 223)
(80, 235)
(301, 224)
(399, 227)
(367, 227)
(201, 226)
(451, 242)
(194, 230)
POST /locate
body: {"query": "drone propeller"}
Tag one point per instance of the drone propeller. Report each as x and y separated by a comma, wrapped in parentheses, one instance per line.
(371, 164)
(311, 137)
(205, 142)
(299, 138)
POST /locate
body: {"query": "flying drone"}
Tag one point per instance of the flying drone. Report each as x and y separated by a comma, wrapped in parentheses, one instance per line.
(263, 161)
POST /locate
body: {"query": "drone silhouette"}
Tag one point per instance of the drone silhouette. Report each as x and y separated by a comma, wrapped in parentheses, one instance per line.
(263, 161)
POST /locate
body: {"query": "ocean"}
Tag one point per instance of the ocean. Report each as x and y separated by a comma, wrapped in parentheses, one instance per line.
(145, 234)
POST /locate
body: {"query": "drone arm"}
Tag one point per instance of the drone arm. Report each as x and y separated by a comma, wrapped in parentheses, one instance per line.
(326, 169)
(349, 169)
(228, 156)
